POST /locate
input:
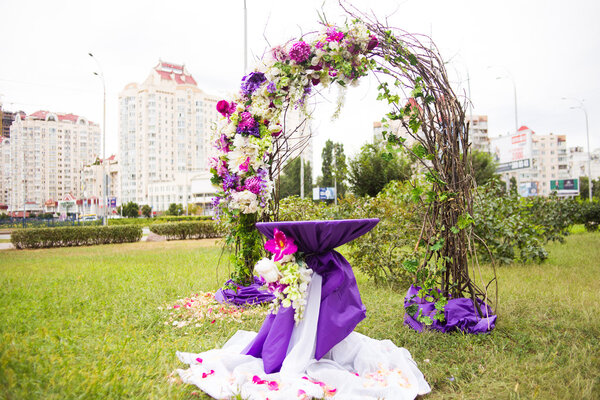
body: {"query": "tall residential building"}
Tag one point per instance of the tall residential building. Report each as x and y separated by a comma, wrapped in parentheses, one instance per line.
(164, 136)
(4, 172)
(578, 162)
(48, 153)
(93, 188)
(478, 133)
(6, 120)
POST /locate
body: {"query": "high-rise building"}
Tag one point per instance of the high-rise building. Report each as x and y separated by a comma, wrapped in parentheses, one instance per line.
(6, 120)
(4, 172)
(478, 133)
(164, 137)
(48, 151)
(578, 162)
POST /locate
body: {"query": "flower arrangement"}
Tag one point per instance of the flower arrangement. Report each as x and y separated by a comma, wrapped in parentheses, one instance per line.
(286, 276)
(251, 124)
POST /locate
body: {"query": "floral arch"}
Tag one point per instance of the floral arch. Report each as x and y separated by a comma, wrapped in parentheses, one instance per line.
(252, 140)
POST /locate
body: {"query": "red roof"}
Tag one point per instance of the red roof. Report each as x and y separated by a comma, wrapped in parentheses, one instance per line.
(523, 128)
(174, 72)
(68, 117)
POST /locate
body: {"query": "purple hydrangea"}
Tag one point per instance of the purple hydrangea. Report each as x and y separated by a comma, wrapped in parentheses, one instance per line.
(252, 82)
(300, 52)
(248, 125)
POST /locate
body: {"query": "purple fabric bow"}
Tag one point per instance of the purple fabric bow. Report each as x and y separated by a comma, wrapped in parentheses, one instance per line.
(341, 306)
(460, 314)
(245, 294)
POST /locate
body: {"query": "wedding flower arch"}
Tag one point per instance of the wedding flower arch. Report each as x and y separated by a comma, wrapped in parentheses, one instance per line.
(252, 139)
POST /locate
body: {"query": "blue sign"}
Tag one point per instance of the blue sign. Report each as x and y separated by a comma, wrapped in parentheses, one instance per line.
(324, 193)
(112, 202)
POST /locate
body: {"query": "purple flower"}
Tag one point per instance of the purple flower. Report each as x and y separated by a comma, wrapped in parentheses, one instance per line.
(254, 184)
(280, 245)
(300, 52)
(248, 125)
(334, 36)
(244, 166)
(230, 182)
(252, 82)
(372, 43)
(223, 144)
(271, 88)
(278, 53)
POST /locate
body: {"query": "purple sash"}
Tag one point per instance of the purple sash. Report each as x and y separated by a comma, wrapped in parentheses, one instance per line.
(341, 306)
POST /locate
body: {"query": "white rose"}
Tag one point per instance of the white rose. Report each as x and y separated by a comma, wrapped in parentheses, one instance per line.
(268, 270)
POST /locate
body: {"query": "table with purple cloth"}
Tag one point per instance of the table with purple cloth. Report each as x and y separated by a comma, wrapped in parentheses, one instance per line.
(341, 307)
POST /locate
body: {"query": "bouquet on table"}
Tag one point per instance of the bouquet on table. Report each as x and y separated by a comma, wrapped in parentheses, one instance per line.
(286, 275)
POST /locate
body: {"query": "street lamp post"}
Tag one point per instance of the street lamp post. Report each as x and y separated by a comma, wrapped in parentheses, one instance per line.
(587, 132)
(104, 180)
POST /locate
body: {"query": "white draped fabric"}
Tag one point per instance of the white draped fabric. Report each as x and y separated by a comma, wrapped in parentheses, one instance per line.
(356, 368)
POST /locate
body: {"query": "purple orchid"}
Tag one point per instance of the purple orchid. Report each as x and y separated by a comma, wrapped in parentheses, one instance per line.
(280, 245)
(334, 36)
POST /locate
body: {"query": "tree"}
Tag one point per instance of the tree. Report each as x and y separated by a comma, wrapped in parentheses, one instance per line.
(374, 167)
(484, 167)
(333, 167)
(584, 193)
(175, 209)
(146, 210)
(289, 180)
(130, 210)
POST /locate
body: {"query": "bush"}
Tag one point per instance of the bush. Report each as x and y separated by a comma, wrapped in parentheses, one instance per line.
(590, 215)
(74, 236)
(187, 230)
(175, 218)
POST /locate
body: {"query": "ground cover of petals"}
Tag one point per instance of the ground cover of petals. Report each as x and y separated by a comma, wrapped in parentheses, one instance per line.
(201, 307)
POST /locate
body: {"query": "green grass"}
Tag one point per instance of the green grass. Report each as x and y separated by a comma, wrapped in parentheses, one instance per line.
(85, 323)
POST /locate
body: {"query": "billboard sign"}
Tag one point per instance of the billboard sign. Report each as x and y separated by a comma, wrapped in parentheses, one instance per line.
(528, 189)
(565, 187)
(324, 193)
(66, 205)
(512, 151)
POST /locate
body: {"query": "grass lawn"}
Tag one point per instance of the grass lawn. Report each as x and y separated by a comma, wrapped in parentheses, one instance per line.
(85, 323)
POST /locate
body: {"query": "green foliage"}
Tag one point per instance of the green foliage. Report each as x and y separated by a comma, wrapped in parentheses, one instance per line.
(130, 210)
(187, 230)
(289, 180)
(590, 215)
(584, 193)
(74, 236)
(506, 226)
(175, 209)
(333, 165)
(374, 167)
(484, 167)
(386, 253)
(554, 215)
(146, 211)
(294, 208)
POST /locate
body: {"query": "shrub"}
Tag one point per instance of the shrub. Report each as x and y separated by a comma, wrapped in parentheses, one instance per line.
(187, 230)
(590, 215)
(175, 218)
(74, 236)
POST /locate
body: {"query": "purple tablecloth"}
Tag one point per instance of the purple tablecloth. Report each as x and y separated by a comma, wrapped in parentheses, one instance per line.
(250, 295)
(341, 306)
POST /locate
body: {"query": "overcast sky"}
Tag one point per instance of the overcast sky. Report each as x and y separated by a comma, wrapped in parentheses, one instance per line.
(551, 49)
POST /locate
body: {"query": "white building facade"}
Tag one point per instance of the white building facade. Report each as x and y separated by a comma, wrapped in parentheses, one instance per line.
(93, 187)
(164, 137)
(4, 173)
(47, 154)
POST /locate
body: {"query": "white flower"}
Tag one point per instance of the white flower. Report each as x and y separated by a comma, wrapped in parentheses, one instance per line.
(268, 270)
(288, 258)
(245, 201)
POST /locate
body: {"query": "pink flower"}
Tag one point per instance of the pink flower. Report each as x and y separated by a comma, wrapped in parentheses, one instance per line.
(256, 380)
(176, 306)
(204, 374)
(253, 184)
(226, 108)
(280, 245)
(334, 35)
(300, 52)
(245, 164)
(213, 321)
(273, 385)
(199, 360)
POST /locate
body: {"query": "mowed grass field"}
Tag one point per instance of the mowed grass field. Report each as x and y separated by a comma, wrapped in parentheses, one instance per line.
(87, 323)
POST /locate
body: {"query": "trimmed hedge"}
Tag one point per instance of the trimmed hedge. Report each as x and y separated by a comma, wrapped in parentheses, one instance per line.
(74, 236)
(187, 230)
(157, 220)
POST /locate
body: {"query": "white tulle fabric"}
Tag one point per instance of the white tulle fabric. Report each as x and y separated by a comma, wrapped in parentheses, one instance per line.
(356, 368)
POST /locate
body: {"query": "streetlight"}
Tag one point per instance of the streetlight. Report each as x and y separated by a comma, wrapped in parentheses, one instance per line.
(104, 180)
(587, 132)
(509, 76)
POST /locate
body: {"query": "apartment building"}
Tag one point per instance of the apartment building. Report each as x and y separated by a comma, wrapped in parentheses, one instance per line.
(48, 151)
(4, 172)
(92, 186)
(164, 136)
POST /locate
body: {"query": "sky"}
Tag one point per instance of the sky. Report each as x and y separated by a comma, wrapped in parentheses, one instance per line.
(542, 50)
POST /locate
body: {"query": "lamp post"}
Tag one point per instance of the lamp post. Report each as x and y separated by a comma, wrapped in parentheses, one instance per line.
(587, 132)
(104, 180)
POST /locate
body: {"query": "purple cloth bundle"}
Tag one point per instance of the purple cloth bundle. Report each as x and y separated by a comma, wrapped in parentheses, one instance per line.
(341, 306)
(244, 294)
(460, 314)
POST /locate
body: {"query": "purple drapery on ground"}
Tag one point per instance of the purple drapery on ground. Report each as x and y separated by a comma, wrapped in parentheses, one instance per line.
(244, 294)
(341, 306)
(460, 314)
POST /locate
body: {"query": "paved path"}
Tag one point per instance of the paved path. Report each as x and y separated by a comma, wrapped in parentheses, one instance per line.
(6, 246)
